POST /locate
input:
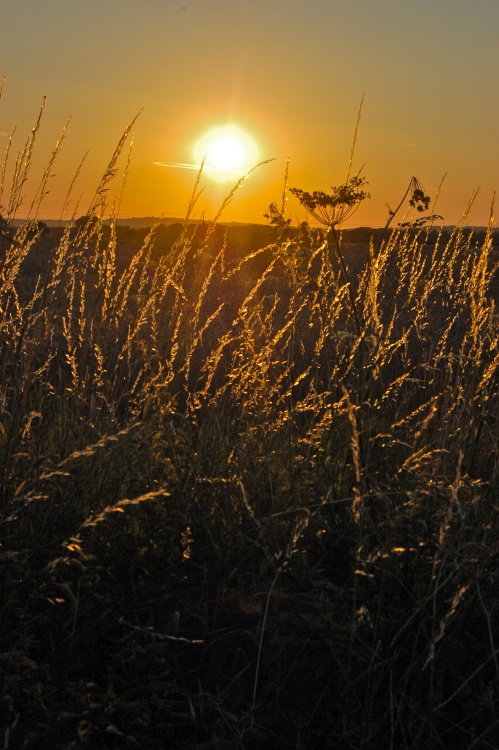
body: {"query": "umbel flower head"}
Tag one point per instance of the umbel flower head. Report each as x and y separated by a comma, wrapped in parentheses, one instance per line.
(334, 208)
(419, 200)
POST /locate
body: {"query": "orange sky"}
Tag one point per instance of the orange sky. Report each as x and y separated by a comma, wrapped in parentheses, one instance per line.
(291, 74)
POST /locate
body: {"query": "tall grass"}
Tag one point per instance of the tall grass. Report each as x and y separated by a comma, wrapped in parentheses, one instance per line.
(232, 513)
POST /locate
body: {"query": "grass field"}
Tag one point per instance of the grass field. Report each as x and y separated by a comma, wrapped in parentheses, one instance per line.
(248, 497)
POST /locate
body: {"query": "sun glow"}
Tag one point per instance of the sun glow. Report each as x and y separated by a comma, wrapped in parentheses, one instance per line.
(227, 151)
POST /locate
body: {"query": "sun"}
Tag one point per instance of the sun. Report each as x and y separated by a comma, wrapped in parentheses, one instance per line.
(227, 151)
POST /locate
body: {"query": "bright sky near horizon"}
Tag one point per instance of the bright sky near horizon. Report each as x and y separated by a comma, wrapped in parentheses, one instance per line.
(290, 74)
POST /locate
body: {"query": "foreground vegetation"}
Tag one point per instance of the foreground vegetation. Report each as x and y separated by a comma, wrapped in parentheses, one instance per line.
(248, 499)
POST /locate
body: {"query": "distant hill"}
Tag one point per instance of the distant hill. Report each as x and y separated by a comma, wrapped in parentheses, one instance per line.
(142, 222)
(260, 231)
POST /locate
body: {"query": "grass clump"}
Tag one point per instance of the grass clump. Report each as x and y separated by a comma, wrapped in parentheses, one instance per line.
(247, 499)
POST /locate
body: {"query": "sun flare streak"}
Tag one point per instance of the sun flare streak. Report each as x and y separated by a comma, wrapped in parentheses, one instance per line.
(206, 167)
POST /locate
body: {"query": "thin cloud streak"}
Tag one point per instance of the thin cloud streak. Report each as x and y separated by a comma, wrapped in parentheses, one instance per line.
(180, 165)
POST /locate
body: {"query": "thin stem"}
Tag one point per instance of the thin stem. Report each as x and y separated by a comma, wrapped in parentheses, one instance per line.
(354, 142)
(391, 218)
(337, 247)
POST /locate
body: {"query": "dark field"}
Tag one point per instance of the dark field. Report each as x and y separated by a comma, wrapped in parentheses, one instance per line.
(248, 501)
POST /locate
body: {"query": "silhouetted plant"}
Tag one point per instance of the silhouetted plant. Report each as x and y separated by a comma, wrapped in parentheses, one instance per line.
(418, 200)
(331, 210)
(276, 217)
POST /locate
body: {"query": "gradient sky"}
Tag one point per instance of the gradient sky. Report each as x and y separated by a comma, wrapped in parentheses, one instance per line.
(290, 73)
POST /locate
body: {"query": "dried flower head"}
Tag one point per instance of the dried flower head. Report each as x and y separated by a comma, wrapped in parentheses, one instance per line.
(334, 208)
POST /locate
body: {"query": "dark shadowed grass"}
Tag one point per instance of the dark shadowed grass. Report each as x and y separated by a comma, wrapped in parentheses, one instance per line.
(233, 514)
